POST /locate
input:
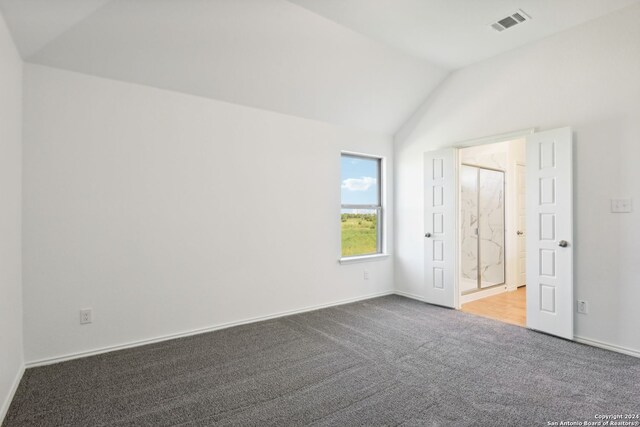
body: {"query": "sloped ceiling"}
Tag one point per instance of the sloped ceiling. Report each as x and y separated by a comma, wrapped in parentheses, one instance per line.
(364, 64)
(35, 23)
(269, 54)
(456, 33)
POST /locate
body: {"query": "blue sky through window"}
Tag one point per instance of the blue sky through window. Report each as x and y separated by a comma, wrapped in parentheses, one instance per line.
(359, 180)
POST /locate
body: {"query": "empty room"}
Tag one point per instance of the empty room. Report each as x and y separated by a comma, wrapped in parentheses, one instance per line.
(319, 212)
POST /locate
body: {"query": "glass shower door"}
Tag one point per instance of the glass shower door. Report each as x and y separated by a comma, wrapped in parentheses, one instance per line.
(491, 227)
(482, 235)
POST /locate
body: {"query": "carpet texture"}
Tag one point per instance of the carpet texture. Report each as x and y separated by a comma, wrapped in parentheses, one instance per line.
(384, 361)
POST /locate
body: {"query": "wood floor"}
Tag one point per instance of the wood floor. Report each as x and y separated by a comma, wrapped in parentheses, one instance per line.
(508, 307)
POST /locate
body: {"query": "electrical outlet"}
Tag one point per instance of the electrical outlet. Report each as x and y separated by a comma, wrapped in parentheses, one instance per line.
(86, 316)
(582, 307)
(366, 275)
(621, 205)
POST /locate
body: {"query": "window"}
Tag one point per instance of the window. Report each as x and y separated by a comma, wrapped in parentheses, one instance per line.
(361, 215)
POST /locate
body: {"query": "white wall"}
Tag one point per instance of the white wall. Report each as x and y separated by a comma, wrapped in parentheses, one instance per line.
(586, 78)
(166, 212)
(11, 359)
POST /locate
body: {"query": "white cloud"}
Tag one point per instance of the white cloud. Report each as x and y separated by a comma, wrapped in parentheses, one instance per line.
(359, 184)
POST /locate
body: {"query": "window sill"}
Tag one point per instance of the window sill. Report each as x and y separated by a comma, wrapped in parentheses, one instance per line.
(362, 258)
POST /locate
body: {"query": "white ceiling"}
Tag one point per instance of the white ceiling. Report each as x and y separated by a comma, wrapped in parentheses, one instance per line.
(269, 54)
(364, 64)
(456, 33)
(35, 23)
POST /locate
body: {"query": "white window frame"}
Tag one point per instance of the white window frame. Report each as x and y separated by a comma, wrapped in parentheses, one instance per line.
(379, 208)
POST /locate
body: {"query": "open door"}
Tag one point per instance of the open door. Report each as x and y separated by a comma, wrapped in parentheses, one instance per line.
(440, 222)
(550, 232)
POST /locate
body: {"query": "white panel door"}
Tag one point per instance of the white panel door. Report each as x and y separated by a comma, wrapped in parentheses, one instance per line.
(550, 232)
(522, 224)
(440, 221)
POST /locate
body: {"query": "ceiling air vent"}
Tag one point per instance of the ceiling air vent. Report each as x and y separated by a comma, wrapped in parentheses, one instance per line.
(512, 20)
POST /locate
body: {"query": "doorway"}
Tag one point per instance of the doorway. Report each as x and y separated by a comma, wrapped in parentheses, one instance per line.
(549, 223)
(492, 219)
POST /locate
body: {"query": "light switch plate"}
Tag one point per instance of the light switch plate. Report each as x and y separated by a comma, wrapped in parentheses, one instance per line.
(621, 205)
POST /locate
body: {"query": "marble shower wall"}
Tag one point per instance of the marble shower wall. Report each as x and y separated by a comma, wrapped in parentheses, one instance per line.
(482, 216)
(494, 156)
(469, 226)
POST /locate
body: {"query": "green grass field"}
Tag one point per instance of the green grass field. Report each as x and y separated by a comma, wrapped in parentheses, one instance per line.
(359, 234)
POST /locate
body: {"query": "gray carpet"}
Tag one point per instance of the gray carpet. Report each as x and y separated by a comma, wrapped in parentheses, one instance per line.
(385, 361)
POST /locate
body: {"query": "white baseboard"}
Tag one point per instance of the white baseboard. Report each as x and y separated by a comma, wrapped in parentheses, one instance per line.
(12, 392)
(607, 346)
(417, 298)
(138, 343)
(78, 355)
(409, 295)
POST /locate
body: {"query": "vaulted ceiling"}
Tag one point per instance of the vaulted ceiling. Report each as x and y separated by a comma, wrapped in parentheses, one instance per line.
(456, 33)
(364, 64)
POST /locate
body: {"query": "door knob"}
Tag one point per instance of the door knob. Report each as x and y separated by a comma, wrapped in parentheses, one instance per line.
(427, 235)
(563, 243)
(519, 233)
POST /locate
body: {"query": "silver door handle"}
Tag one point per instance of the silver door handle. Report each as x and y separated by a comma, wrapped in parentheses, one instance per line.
(563, 243)
(427, 235)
